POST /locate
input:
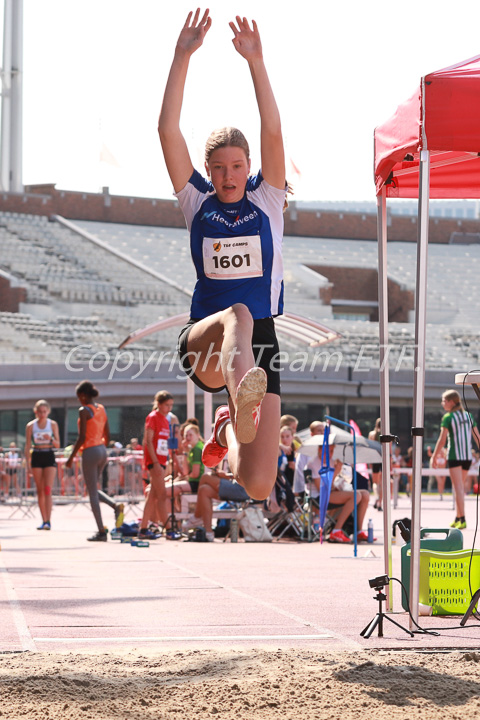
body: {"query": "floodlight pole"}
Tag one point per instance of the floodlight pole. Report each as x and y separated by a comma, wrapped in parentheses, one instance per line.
(12, 79)
(419, 377)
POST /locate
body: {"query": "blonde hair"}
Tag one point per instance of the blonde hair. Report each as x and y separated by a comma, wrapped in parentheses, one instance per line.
(453, 396)
(41, 403)
(226, 137)
(285, 419)
(192, 427)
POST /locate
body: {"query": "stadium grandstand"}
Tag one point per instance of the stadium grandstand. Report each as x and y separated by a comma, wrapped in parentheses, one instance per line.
(72, 290)
(81, 271)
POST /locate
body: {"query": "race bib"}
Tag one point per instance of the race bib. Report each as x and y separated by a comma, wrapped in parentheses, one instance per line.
(42, 438)
(233, 258)
(162, 446)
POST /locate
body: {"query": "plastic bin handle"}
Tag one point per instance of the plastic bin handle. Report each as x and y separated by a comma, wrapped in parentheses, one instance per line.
(433, 531)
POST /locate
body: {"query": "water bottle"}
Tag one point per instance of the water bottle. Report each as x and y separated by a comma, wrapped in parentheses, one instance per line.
(234, 530)
(370, 531)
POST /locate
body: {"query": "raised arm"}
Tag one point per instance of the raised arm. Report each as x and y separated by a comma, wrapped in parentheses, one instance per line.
(175, 151)
(247, 42)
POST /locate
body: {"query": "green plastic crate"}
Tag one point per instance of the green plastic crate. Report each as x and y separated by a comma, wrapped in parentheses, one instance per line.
(444, 580)
(452, 540)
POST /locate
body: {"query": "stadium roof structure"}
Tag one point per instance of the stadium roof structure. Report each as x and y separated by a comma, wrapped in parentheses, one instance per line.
(299, 328)
(430, 147)
(302, 329)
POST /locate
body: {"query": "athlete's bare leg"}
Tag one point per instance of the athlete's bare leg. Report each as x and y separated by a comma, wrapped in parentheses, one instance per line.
(220, 348)
(458, 475)
(43, 478)
(156, 497)
(220, 351)
(255, 465)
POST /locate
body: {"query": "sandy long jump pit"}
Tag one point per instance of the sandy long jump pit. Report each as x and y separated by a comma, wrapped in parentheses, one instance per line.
(241, 685)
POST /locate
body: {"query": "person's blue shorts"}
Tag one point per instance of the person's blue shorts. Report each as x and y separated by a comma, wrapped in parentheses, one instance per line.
(232, 491)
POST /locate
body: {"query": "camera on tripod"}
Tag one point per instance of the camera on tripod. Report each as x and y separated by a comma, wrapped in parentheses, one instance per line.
(378, 583)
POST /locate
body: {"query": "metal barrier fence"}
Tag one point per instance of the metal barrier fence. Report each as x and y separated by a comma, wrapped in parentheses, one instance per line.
(122, 480)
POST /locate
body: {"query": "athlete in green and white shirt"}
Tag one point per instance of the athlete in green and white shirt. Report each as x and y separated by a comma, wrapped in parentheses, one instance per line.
(457, 428)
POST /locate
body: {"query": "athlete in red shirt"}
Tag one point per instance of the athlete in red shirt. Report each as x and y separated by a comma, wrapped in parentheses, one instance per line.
(155, 449)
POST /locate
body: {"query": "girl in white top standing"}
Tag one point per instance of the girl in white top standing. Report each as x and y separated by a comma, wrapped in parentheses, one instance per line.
(41, 438)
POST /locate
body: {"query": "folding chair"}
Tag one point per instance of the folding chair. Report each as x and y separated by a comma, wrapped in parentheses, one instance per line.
(287, 513)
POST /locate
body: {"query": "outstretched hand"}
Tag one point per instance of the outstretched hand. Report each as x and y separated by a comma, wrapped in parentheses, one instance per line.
(247, 39)
(194, 31)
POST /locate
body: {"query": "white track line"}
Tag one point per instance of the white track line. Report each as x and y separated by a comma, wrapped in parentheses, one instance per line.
(24, 635)
(325, 632)
(182, 638)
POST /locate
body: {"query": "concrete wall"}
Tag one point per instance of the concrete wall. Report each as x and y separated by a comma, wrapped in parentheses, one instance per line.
(47, 200)
(11, 297)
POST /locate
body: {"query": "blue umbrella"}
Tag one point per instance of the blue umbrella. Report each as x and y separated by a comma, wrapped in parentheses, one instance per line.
(326, 477)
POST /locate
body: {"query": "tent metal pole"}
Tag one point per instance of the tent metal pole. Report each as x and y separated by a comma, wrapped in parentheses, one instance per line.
(207, 414)
(384, 385)
(190, 398)
(419, 380)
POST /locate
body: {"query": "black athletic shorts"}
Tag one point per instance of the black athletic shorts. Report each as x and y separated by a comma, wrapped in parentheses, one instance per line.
(43, 459)
(150, 466)
(376, 467)
(265, 351)
(464, 464)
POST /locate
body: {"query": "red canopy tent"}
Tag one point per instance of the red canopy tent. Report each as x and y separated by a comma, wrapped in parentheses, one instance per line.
(430, 148)
(441, 117)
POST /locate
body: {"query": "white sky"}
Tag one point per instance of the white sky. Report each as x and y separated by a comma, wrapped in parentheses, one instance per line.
(94, 72)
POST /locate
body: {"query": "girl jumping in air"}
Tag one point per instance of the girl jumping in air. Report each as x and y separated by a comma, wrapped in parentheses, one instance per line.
(235, 222)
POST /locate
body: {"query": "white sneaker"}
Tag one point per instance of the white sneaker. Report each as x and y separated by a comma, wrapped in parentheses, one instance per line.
(210, 536)
(250, 393)
(191, 523)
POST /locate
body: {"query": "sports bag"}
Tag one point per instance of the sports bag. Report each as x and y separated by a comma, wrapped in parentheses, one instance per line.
(252, 525)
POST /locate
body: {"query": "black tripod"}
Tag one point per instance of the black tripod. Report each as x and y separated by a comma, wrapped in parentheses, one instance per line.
(379, 618)
(471, 607)
(173, 533)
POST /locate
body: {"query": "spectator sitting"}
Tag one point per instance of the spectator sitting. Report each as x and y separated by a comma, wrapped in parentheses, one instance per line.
(218, 485)
(179, 467)
(316, 428)
(287, 453)
(192, 441)
(291, 422)
(342, 495)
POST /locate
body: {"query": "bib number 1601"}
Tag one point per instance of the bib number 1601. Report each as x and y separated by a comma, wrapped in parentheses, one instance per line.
(235, 261)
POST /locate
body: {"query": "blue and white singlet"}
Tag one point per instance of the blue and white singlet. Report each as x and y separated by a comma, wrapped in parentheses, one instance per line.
(236, 247)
